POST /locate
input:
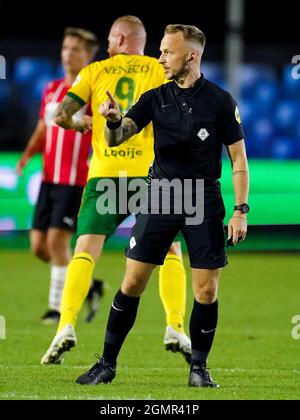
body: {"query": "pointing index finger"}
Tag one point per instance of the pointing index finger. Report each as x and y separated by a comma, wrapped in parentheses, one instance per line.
(111, 97)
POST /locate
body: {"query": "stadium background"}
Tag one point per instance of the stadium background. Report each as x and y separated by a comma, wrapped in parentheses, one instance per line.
(269, 105)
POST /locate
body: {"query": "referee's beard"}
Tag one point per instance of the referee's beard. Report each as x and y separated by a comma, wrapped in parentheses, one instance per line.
(180, 75)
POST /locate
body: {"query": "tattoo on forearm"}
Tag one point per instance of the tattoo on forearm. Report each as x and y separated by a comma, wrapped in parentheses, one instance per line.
(120, 135)
(129, 128)
(65, 111)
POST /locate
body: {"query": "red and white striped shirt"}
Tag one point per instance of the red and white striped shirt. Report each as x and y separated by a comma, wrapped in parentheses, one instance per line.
(65, 152)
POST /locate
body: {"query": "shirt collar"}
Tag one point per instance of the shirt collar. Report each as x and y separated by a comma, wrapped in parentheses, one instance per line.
(193, 91)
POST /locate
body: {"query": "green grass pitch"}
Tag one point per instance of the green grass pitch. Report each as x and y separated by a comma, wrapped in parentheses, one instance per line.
(254, 355)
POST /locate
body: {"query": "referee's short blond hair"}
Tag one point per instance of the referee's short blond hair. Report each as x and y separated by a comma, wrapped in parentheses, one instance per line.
(190, 33)
(89, 38)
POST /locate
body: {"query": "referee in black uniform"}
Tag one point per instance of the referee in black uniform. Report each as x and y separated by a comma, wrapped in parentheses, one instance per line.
(192, 119)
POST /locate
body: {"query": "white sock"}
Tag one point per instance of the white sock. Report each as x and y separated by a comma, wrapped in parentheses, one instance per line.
(58, 276)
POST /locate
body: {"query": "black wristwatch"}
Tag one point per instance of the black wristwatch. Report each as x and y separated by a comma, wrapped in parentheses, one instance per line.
(243, 208)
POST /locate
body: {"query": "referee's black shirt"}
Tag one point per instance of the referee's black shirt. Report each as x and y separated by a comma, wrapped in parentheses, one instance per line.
(190, 126)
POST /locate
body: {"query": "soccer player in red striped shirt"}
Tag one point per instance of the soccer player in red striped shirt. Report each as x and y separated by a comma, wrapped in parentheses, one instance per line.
(65, 167)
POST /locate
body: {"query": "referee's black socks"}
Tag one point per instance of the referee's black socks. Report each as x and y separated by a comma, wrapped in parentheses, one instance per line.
(203, 325)
(121, 319)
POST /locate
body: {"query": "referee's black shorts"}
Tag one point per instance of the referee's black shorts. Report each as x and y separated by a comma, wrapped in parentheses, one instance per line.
(153, 235)
(57, 207)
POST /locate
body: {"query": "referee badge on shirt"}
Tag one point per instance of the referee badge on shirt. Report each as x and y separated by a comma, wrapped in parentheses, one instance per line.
(237, 115)
(203, 134)
(132, 242)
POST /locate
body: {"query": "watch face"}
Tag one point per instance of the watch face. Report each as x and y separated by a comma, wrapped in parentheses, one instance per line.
(245, 208)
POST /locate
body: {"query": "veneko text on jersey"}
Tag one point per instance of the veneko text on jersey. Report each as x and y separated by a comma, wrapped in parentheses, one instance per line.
(131, 68)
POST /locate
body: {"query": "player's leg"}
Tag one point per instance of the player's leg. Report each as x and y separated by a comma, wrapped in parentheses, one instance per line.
(58, 241)
(78, 279)
(121, 319)
(40, 225)
(151, 239)
(58, 244)
(172, 287)
(38, 244)
(40, 247)
(63, 202)
(92, 230)
(172, 290)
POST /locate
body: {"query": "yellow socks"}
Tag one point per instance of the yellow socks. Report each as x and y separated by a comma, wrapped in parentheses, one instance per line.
(76, 289)
(172, 290)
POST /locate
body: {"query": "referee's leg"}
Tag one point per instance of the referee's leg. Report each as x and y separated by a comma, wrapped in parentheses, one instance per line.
(124, 308)
(136, 278)
(121, 319)
(203, 323)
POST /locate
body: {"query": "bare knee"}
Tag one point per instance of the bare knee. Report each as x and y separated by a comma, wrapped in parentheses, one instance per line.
(205, 287)
(136, 278)
(206, 295)
(39, 248)
(90, 244)
(39, 251)
(59, 249)
(58, 242)
(133, 286)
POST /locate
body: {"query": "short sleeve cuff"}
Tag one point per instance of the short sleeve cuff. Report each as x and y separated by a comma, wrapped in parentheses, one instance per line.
(76, 98)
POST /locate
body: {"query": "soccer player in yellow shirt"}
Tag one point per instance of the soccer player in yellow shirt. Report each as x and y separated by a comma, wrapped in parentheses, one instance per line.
(128, 73)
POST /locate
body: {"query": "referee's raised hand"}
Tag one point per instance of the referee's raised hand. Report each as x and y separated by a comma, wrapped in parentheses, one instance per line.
(110, 109)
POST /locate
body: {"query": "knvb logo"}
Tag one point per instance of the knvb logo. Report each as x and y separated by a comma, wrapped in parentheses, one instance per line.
(296, 68)
(2, 68)
(2, 328)
(296, 329)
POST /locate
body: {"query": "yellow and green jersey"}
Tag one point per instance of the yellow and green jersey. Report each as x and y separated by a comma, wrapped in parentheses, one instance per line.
(127, 77)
